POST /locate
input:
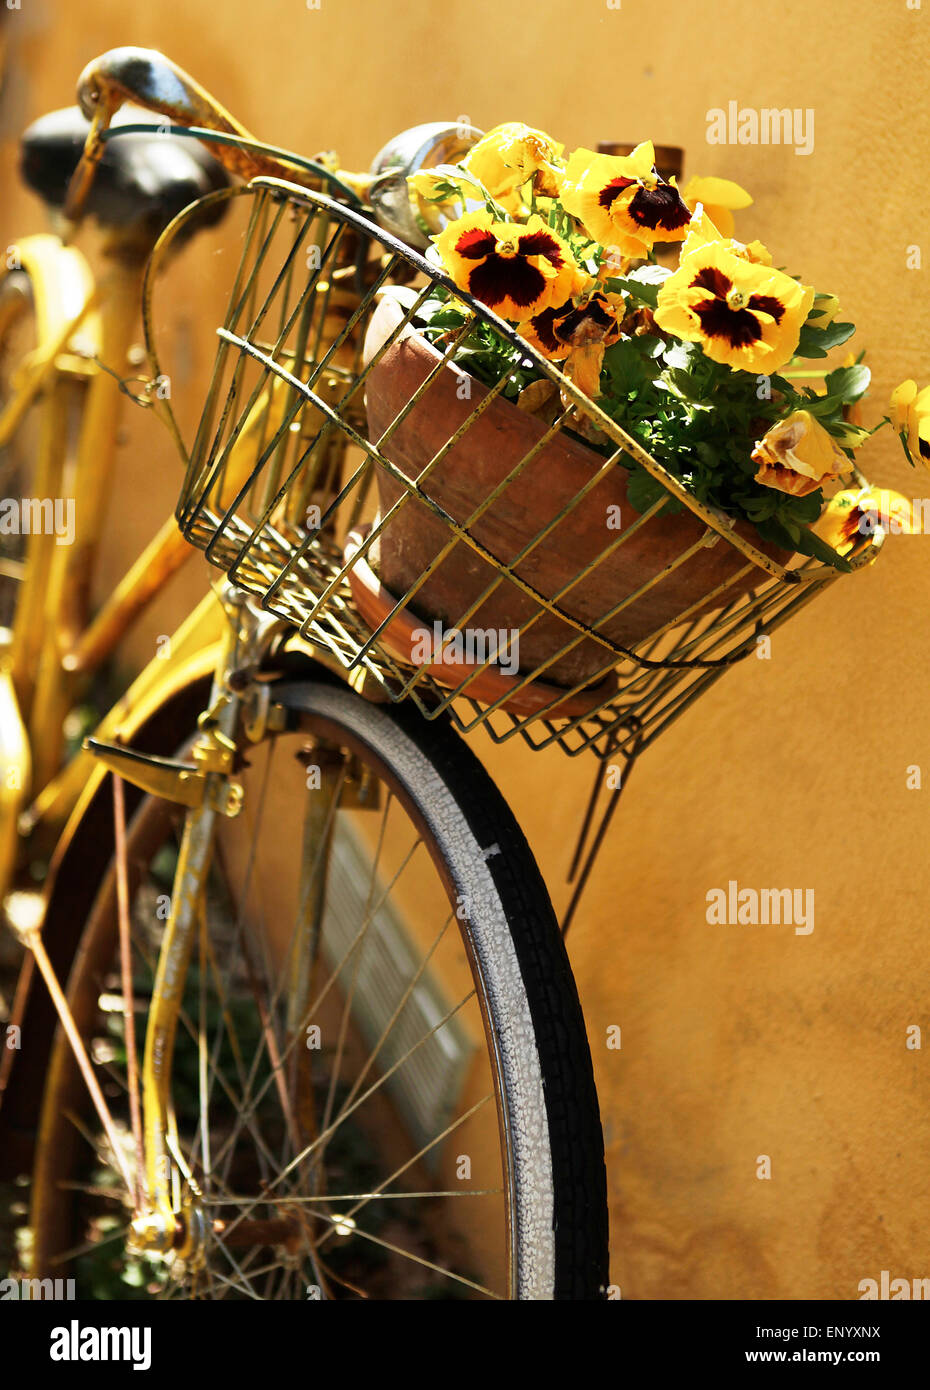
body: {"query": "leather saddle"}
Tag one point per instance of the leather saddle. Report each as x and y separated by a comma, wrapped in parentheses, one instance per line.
(142, 181)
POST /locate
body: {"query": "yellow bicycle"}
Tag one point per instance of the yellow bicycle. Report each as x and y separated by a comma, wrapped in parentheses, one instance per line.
(330, 1046)
(296, 1017)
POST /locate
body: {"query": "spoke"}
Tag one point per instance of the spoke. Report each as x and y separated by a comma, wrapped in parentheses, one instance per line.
(249, 1107)
(239, 925)
(88, 1245)
(215, 1274)
(408, 1255)
(234, 1100)
(90, 1190)
(364, 1197)
(247, 1288)
(349, 993)
(347, 1109)
(34, 941)
(203, 1088)
(125, 955)
(353, 1211)
(344, 1114)
(99, 1149)
(267, 1027)
(397, 1012)
(262, 1150)
(266, 1012)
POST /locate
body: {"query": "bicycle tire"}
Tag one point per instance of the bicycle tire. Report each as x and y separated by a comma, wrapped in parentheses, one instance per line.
(539, 962)
(559, 1181)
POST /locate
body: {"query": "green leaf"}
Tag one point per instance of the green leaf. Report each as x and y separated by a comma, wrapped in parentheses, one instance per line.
(643, 283)
(805, 542)
(813, 545)
(848, 383)
(807, 509)
(625, 368)
(643, 490)
(817, 342)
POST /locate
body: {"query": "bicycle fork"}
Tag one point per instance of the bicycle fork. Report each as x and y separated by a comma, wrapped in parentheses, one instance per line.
(165, 1223)
(206, 787)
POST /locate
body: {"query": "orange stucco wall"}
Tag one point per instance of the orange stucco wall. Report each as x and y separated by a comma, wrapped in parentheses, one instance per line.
(736, 1041)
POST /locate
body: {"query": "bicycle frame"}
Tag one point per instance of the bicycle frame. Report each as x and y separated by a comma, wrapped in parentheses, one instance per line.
(55, 644)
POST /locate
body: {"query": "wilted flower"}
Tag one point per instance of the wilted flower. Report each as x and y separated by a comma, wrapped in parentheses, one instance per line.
(621, 201)
(517, 269)
(745, 315)
(720, 198)
(910, 415)
(797, 455)
(578, 334)
(509, 156)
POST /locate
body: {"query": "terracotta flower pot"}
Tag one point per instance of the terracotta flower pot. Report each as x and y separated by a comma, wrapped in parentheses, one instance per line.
(490, 448)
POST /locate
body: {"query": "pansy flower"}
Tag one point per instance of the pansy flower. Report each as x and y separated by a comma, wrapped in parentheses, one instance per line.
(858, 512)
(578, 334)
(797, 455)
(621, 201)
(702, 230)
(747, 316)
(910, 415)
(516, 269)
(509, 156)
(720, 198)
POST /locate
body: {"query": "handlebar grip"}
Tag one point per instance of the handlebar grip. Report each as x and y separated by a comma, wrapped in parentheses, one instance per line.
(147, 78)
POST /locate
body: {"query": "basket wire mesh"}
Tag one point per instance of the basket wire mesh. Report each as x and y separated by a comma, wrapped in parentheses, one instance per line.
(303, 464)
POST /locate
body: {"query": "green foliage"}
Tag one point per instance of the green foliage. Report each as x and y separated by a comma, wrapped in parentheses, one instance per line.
(701, 420)
(483, 352)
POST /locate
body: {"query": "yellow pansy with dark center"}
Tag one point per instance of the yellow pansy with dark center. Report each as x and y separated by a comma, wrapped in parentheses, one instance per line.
(858, 512)
(557, 330)
(745, 315)
(578, 334)
(702, 231)
(621, 201)
(517, 270)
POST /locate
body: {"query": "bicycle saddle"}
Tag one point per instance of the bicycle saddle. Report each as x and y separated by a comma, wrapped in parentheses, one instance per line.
(142, 181)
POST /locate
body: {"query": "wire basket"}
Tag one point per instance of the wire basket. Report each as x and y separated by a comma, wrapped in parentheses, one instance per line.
(433, 538)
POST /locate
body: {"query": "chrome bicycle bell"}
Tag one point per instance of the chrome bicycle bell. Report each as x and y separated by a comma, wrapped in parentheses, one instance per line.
(421, 147)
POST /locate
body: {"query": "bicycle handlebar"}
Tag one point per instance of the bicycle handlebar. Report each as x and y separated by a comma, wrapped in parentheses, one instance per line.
(147, 78)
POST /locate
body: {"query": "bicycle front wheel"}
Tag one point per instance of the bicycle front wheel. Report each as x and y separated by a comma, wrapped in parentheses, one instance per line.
(406, 1108)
